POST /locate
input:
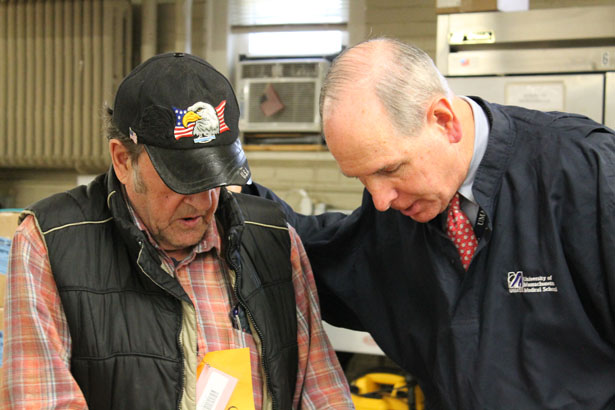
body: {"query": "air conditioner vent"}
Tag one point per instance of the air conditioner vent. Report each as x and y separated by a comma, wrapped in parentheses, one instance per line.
(309, 70)
(257, 71)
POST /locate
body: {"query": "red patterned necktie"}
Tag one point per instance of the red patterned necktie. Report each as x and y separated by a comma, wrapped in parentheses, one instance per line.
(459, 229)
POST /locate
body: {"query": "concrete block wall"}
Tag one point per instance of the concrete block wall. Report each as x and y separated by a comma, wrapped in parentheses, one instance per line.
(316, 173)
(411, 21)
(22, 187)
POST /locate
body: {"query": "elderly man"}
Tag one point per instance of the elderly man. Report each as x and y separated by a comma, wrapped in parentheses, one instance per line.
(482, 259)
(119, 292)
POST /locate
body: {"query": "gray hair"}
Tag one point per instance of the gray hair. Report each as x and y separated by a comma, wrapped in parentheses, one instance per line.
(403, 77)
(112, 132)
(134, 150)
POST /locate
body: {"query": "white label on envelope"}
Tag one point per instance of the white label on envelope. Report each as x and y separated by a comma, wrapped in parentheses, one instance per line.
(214, 389)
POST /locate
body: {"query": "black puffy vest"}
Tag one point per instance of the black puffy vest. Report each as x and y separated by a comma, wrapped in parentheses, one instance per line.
(124, 312)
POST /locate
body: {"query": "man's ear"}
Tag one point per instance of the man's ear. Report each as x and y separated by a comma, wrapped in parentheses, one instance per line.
(120, 158)
(442, 115)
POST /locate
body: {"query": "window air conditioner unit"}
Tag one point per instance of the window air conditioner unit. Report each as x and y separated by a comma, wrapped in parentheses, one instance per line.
(280, 95)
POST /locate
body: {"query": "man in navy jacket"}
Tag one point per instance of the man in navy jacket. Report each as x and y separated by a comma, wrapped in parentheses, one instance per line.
(531, 323)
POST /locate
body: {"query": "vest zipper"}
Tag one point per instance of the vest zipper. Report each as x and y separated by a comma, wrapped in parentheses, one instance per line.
(181, 352)
(235, 268)
(179, 341)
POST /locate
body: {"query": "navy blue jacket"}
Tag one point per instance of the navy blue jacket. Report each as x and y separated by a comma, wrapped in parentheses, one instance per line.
(531, 324)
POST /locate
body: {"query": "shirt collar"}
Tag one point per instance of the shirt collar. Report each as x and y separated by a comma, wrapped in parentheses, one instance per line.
(481, 136)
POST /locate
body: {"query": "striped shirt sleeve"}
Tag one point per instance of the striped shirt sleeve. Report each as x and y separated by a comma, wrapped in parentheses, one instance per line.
(321, 384)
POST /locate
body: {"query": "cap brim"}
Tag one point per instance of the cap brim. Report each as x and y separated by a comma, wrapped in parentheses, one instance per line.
(190, 171)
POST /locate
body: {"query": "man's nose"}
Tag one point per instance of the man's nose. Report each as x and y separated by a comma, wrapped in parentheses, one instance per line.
(200, 200)
(382, 194)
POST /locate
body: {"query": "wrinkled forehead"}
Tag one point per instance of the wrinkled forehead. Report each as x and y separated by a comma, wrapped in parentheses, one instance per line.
(360, 138)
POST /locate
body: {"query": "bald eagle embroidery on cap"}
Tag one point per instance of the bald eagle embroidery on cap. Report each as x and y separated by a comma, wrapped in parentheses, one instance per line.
(200, 120)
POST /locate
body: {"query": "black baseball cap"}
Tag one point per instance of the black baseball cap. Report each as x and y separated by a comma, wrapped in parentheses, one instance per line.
(186, 114)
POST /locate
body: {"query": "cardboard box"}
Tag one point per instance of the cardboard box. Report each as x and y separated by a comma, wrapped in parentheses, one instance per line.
(469, 6)
(8, 224)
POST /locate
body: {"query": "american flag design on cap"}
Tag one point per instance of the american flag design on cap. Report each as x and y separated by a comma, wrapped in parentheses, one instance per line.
(200, 120)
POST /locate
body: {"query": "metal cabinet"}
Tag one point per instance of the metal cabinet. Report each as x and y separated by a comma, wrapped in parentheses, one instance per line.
(550, 59)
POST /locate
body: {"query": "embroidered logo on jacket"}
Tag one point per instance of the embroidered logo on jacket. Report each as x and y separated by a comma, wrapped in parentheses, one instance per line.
(518, 283)
(200, 120)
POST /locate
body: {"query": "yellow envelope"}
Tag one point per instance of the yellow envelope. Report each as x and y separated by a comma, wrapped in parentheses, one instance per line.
(236, 363)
